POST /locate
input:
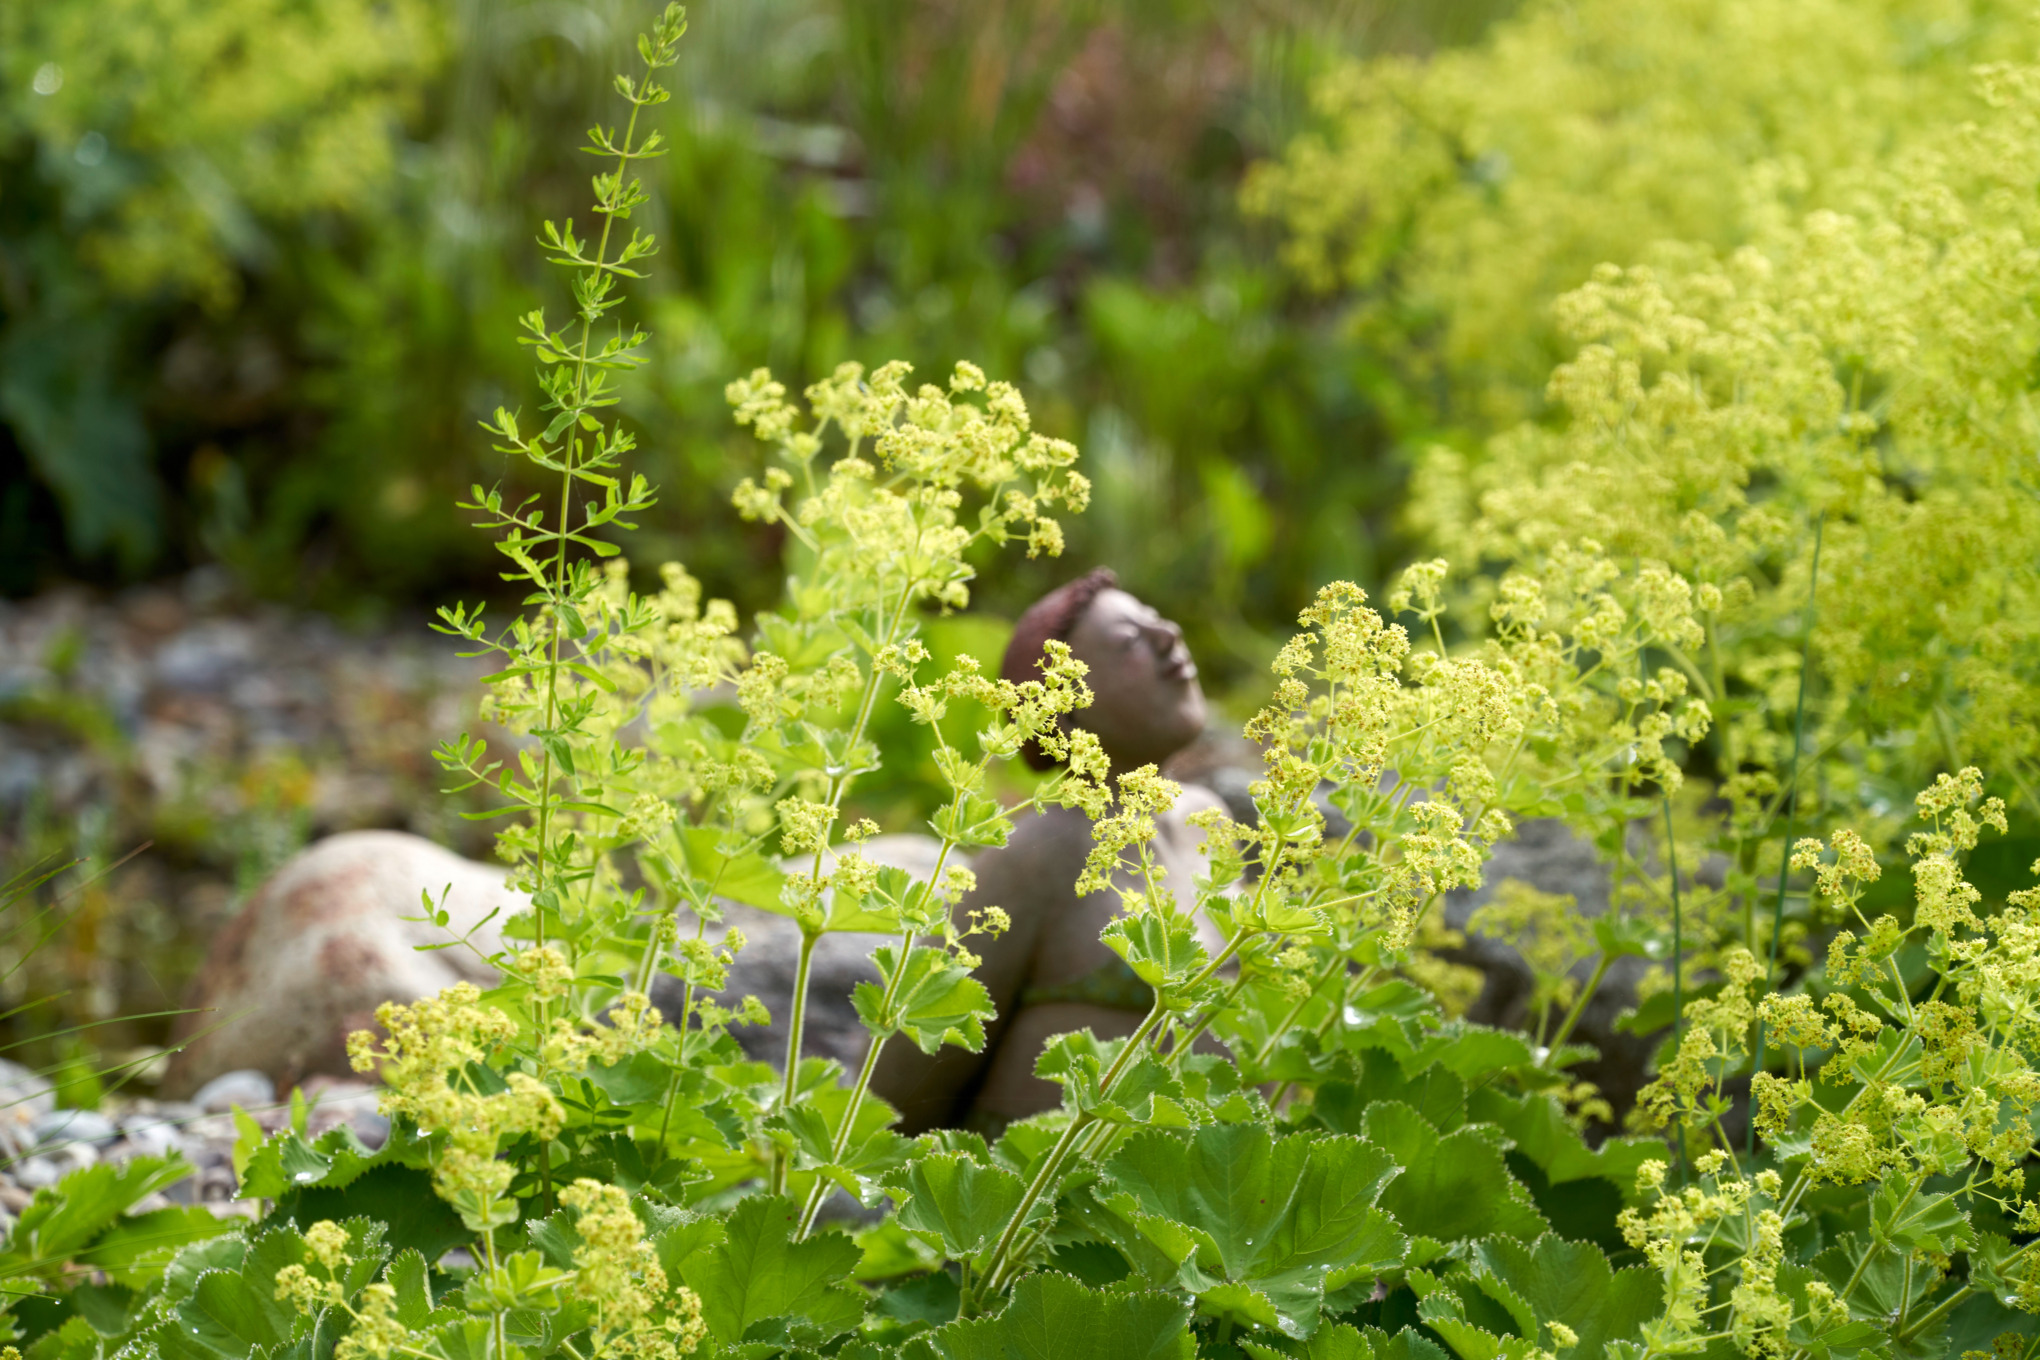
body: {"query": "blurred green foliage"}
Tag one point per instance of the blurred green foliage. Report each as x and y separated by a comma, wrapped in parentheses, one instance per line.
(259, 257)
(171, 173)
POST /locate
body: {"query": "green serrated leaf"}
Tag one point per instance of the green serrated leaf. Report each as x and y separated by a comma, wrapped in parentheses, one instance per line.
(66, 1218)
(1872, 1276)
(1456, 1186)
(410, 1275)
(224, 1316)
(1255, 1226)
(1053, 1317)
(974, 820)
(930, 1300)
(1161, 952)
(1917, 1222)
(1344, 1342)
(180, 1277)
(964, 1203)
(1445, 1313)
(1553, 1280)
(134, 1250)
(937, 1001)
(1077, 1062)
(1538, 1126)
(641, 1079)
(400, 1197)
(759, 1273)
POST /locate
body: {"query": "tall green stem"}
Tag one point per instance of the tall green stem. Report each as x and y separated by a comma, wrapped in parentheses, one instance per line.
(795, 1023)
(1678, 959)
(841, 1142)
(1579, 1007)
(1051, 1165)
(1791, 806)
(559, 587)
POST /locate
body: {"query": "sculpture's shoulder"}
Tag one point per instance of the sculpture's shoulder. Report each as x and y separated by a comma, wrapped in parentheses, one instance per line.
(1174, 825)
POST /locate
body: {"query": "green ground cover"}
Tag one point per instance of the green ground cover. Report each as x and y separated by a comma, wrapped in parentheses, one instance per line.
(1724, 354)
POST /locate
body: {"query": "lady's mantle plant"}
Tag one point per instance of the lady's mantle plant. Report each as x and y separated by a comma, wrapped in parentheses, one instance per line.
(572, 1173)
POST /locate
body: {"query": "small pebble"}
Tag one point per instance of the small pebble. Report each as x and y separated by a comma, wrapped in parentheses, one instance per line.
(33, 1173)
(247, 1088)
(152, 1136)
(21, 1087)
(23, 1097)
(61, 1128)
(55, 1143)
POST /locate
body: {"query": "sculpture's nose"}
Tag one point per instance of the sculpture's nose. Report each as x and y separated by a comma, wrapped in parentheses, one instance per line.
(1166, 638)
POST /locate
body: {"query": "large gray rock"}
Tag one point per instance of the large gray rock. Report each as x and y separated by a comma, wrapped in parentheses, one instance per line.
(770, 962)
(1548, 856)
(325, 941)
(322, 944)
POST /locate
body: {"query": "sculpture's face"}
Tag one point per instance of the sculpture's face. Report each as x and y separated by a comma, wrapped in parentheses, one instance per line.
(1146, 704)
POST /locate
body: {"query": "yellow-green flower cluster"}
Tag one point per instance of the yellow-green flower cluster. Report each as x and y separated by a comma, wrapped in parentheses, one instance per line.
(424, 1059)
(1455, 196)
(377, 1329)
(306, 1291)
(1693, 319)
(1933, 1091)
(1429, 745)
(638, 1313)
(1707, 424)
(1143, 795)
(1675, 1234)
(902, 531)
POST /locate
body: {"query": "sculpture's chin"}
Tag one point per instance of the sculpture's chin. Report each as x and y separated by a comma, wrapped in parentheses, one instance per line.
(1189, 714)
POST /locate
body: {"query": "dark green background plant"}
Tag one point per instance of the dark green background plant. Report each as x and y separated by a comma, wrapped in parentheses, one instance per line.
(288, 384)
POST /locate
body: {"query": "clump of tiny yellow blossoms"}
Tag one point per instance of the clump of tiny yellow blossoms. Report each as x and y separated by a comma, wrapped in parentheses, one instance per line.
(327, 1242)
(617, 1270)
(630, 1026)
(1143, 795)
(1759, 1314)
(1455, 195)
(424, 1060)
(1787, 396)
(377, 1330)
(1934, 1089)
(936, 441)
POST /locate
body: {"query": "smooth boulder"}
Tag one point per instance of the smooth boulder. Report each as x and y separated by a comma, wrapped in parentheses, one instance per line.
(324, 942)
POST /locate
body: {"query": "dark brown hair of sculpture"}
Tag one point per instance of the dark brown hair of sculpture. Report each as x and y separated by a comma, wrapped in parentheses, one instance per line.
(1052, 618)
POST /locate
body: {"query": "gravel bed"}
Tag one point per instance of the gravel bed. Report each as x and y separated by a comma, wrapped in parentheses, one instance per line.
(192, 740)
(40, 1144)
